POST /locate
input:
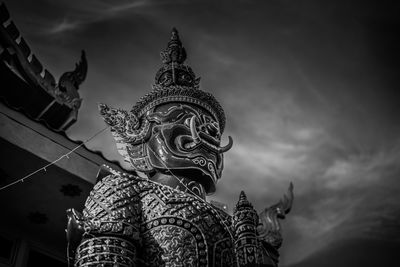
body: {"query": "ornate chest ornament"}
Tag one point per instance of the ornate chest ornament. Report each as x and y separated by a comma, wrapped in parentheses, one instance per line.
(173, 136)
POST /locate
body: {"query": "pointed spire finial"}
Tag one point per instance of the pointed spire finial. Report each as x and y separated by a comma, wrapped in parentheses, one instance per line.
(242, 196)
(175, 52)
(243, 203)
(174, 34)
(174, 72)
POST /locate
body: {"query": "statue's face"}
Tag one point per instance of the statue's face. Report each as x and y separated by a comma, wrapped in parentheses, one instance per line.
(185, 141)
(173, 138)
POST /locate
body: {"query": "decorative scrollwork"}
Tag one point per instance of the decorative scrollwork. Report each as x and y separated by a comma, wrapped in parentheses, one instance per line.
(200, 161)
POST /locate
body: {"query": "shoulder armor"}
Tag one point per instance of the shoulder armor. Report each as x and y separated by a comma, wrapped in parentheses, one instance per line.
(113, 205)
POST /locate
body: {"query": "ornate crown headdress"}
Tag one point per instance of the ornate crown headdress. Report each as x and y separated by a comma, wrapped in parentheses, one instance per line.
(176, 82)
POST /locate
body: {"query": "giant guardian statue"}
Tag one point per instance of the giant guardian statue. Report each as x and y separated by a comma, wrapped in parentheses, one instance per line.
(173, 136)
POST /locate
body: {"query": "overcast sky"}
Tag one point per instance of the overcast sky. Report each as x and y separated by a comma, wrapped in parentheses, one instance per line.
(310, 89)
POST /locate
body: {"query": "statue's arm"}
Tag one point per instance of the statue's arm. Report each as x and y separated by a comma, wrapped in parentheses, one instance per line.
(109, 224)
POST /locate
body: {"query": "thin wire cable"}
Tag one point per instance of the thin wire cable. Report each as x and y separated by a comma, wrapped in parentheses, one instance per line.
(198, 198)
(44, 168)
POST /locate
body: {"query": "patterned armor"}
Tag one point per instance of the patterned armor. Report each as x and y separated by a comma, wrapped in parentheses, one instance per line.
(133, 221)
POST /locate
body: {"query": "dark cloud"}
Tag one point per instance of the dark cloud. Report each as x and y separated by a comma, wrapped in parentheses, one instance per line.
(309, 88)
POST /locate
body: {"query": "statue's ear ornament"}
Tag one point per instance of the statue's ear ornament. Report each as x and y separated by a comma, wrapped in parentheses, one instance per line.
(126, 127)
